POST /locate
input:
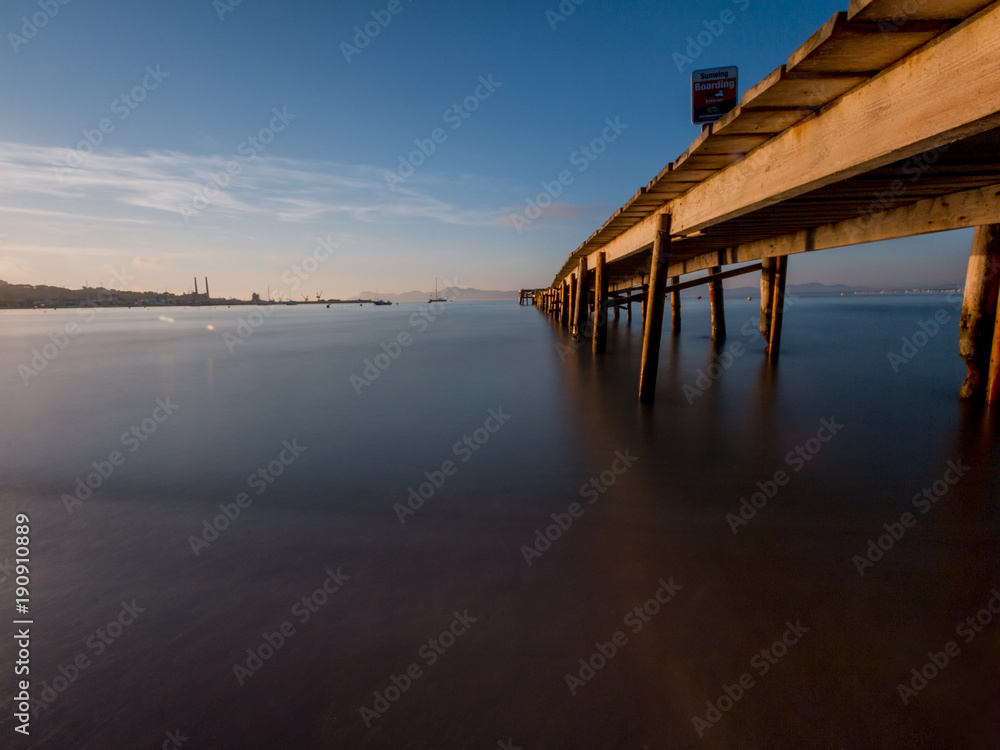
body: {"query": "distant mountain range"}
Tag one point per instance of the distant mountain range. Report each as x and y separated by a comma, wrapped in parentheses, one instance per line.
(814, 289)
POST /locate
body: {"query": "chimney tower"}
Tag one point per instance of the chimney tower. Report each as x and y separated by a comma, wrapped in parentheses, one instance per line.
(206, 287)
(195, 286)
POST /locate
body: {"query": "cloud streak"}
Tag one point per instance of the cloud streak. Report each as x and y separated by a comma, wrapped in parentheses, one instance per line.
(150, 187)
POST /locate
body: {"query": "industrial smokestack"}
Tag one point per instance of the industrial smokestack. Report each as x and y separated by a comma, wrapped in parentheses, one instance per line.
(206, 287)
(195, 286)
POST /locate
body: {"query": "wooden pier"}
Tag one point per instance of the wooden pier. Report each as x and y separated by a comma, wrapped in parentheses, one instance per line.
(884, 124)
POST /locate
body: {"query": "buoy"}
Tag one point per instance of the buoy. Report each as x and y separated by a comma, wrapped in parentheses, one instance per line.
(749, 299)
(699, 296)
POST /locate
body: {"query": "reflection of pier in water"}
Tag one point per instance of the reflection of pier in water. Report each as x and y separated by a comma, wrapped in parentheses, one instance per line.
(884, 124)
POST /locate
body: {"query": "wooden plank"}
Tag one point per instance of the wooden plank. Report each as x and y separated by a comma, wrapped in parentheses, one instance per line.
(803, 91)
(901, 11)
(766, 122)
(855, 47)
(944, 213)
(942, 93)
(680, 286)
(818, 38)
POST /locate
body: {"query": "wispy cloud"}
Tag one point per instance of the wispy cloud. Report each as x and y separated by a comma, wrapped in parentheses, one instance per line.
(150, 187)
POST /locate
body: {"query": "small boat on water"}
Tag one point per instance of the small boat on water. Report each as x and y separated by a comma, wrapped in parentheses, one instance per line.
(380, 302)
(435, 298)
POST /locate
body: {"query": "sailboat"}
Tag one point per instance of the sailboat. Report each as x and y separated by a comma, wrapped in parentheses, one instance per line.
(435, 298)
(380, 301)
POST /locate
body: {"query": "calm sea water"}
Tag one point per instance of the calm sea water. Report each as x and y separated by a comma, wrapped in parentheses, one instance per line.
(434, 631)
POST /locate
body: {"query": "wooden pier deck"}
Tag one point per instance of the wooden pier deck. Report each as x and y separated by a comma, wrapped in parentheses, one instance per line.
(884, 124)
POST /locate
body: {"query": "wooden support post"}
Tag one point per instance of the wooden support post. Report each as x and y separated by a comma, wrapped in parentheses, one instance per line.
(993, 382)
(644, 304)
(718, 307)
(675, 306)
(572, 301)
(777, 305)
(628, 313)
(601, 304)
(617, 307)
(582, 299)
(652, 328)
(766, 298)
(979, 308)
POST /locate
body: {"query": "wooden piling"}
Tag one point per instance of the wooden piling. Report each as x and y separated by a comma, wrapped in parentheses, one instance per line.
(564, 304)
(766, 298)
(675, 306)
(572, 302)
(718, 306)
(777, 305)
(979, 309)
(652, 328)
(601, 304)
(993, 381)
(582, 299)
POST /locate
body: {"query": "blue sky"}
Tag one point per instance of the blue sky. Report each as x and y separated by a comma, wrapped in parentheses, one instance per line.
(175, 187)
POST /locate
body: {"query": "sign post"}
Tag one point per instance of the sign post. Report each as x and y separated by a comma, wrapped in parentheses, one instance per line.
(714, 92)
